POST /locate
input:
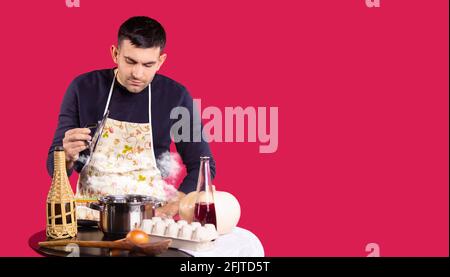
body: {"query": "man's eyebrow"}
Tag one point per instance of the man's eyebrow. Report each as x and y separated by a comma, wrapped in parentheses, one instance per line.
(147, 63)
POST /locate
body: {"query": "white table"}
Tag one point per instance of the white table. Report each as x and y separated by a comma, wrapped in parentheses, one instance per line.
(238, 243)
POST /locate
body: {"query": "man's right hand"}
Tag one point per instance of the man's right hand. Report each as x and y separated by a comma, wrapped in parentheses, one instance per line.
(75, 141)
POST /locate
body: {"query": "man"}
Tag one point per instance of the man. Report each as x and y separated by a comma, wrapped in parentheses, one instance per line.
(136, 103)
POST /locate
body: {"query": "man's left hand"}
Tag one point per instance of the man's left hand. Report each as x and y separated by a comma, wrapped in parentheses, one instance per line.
(170, 209)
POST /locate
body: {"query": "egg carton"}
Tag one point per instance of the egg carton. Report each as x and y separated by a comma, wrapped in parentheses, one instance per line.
(190, 236)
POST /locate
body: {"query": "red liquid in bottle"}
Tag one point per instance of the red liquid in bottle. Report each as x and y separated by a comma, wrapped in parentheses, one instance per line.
(205, 213)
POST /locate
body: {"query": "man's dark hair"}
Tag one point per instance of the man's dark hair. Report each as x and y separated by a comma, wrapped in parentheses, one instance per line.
(143, 32)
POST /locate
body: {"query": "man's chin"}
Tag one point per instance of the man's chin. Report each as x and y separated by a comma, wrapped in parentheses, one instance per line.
(134, 89)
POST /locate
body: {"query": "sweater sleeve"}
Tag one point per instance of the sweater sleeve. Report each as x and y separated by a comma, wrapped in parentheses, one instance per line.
(68, 119)
(191, 151)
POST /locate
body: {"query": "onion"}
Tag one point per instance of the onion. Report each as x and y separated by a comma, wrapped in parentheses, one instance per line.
(137, 236)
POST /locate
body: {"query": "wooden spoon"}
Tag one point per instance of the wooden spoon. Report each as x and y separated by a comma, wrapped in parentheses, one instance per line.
(150, 249)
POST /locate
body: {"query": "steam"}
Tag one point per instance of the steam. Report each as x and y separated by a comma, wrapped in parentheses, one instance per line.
(169, 163)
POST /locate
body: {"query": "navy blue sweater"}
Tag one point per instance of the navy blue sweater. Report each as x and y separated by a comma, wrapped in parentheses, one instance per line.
(85, 101)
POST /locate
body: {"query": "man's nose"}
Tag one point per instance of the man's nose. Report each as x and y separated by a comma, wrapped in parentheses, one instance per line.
(137, 71)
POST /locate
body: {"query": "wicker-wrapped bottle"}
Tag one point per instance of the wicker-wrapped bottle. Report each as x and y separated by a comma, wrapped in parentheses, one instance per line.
(61, 217)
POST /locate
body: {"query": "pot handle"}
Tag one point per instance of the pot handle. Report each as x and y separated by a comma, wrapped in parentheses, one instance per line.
(96, 206)
(158, 204)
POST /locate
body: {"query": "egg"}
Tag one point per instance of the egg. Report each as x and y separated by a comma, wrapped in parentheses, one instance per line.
(147, 226)
(159, 228)
(172, 230)
(185, 232)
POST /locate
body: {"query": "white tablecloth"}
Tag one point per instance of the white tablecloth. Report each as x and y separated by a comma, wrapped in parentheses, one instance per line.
(237, 243)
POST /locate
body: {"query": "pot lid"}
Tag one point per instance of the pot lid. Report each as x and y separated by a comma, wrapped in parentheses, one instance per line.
(130, 199)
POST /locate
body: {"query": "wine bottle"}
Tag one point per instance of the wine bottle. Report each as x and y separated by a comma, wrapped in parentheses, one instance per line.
(204, 211)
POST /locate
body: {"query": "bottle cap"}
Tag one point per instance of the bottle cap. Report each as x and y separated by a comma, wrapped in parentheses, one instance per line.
(59, 148)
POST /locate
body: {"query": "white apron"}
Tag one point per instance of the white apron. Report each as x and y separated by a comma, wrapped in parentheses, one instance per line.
(123, 163)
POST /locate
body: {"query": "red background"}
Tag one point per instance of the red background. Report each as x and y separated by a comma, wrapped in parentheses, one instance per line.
(363, 112)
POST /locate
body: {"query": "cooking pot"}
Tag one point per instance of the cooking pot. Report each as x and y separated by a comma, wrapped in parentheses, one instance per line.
(119, 214)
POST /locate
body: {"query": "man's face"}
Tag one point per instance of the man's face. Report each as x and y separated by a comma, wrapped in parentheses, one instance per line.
(136, 66)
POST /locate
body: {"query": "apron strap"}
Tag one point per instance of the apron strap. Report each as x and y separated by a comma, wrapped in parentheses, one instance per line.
(110, 93)
(150, 120)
